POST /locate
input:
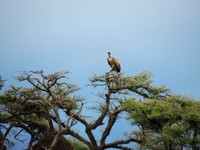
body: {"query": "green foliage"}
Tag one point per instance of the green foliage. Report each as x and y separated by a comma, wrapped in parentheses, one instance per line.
(79, 145)
(34, 108)
(141, 84)
(164, 120)
(176, 134)
(173, 121)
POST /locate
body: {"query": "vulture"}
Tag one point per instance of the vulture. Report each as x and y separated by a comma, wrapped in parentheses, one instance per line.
(114, 63)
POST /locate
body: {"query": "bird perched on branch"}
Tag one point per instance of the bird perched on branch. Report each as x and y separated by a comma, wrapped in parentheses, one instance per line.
(114, 63)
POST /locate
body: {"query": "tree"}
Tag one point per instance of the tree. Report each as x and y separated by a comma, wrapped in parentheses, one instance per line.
(171, 123)
(37, 110)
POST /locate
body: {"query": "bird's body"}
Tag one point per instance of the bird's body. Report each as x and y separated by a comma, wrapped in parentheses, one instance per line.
(114, 63)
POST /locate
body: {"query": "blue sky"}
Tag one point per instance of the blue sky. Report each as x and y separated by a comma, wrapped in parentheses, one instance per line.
(162, 37)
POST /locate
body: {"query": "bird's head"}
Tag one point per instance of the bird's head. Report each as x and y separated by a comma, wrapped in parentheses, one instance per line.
(109, 53)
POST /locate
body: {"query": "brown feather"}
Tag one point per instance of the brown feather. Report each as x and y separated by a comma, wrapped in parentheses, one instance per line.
(114, 63)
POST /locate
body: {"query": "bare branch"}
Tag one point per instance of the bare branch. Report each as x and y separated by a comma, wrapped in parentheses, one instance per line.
(118, 144)
(18, 134)
(77, 136)
(111, 121)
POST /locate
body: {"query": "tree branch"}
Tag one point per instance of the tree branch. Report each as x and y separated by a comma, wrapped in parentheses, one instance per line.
(111, 122)
(100, 119)
(118, 144)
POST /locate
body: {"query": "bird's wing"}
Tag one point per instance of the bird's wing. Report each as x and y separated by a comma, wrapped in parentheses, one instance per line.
(109, 62)
(117, 64)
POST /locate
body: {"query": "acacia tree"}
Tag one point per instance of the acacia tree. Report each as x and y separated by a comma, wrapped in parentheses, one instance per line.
(172, 123)
(37, 108)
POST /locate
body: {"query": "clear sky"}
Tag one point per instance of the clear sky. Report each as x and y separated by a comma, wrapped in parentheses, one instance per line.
(159, 36)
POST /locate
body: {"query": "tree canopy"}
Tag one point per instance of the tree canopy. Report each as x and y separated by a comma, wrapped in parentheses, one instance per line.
(160, 119)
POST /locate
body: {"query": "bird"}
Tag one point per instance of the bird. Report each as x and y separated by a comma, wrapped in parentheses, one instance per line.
(114, 63)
